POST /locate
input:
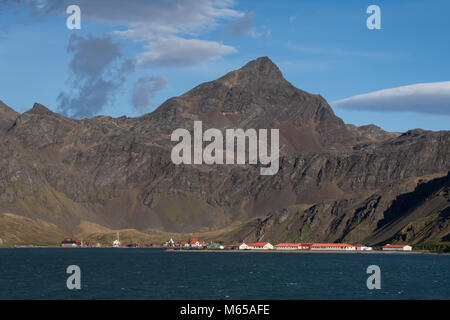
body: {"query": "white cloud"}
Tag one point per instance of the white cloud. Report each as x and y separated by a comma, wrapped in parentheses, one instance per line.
(159, 24)
(429, 98)
(176, 51)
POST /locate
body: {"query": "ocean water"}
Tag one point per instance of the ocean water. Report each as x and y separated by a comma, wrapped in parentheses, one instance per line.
(160, 274)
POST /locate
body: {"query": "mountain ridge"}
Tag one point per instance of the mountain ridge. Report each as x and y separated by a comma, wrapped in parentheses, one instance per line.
(117, 172)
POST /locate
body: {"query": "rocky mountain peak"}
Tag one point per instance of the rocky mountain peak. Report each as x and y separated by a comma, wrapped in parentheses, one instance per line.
(263, 67)
(6, 111)
(40, 109)
(258, 96)
(7, 117)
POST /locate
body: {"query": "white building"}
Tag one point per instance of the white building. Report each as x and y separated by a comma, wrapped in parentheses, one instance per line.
(170, 243)
(361, 247)
(238, 246)
(397, 247)
(117, 244)
(332, 247)
(196, 243)
(260, 246)
(292, 246)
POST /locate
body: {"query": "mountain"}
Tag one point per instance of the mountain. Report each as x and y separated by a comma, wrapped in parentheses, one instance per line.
(413, 211)
(257, 96)
(336, 181)
(7, 117)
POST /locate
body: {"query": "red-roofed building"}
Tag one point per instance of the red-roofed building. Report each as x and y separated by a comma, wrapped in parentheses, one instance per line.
(192, 241)
(68, 243)
(195, 243)
(260, 246)
(292, 246)
(182, 244)
(332, 247)
(397, 247)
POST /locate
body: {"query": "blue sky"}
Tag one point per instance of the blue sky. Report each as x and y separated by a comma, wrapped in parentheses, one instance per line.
(321, 47)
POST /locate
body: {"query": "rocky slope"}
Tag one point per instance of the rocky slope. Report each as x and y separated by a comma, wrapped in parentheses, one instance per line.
(117, 173)
(413, 210)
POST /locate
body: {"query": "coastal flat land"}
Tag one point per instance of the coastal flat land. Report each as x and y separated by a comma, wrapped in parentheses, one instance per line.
(22, 231)
(19, 230)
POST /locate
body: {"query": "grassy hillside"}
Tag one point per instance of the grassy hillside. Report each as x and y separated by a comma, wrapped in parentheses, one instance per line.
(18, 230)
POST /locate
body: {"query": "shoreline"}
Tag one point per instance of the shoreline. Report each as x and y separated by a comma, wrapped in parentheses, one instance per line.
(314, 251)
(240, 251)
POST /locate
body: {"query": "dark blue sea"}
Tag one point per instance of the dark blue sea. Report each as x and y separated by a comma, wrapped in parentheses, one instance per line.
(158, 274)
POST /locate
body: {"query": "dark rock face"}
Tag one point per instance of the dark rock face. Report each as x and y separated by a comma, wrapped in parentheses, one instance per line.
(411, 210)
(118, 172)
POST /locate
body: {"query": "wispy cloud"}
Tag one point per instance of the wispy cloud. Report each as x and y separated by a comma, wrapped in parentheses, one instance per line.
(427, 98)
(164, 26)
(97, 70)
(176, 51)
(145, 89)
(245, 26)
(172, 33)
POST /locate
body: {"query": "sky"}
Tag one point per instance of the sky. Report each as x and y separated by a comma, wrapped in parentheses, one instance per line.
(129, 57)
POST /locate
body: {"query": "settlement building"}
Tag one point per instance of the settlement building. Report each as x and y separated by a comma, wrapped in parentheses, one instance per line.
(292, 246)
(238, 246)
(397, 247)
(83, 243)
(361, 247)
(169, 243)
(183, 244)
(332, 247)
(68, 243)
(195, 243)
(117, 243)
(260, 246)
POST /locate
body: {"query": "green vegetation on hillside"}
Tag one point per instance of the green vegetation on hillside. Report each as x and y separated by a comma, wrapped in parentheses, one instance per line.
(436, 247)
